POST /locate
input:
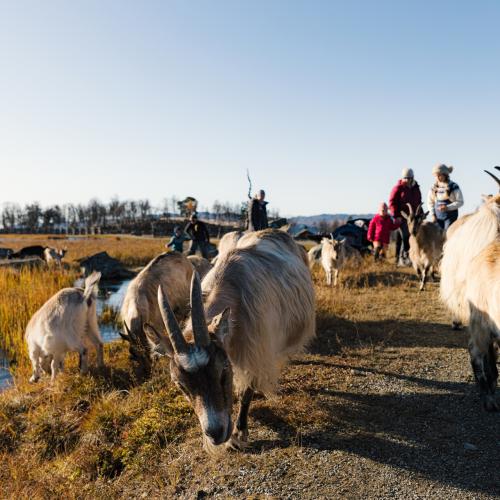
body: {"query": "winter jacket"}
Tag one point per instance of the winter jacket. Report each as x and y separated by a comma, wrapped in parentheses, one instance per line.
(447, 194)
(198, 231)
(380, 229)
(257, 215)
(401, 194)
(177, 242)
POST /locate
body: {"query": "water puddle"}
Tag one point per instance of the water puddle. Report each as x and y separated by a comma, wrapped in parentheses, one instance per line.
(111, 294)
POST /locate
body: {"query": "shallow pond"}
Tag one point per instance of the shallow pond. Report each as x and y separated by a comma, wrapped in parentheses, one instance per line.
(111, 294)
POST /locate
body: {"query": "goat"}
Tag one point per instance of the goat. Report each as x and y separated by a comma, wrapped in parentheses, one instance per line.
(53, 256)
(48, 254)
(465, 239)
(426, 243)
(5, 253)
(470, 287)
(201, 265)
(67, 322)
(173, 271)
(333, 256)
(259, 310)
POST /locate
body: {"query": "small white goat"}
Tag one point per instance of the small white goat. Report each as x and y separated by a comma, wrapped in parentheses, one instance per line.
(53, 256)
(65, 323)
(333, 256)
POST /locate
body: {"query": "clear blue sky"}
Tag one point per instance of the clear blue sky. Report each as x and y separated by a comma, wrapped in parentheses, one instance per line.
(324, 102)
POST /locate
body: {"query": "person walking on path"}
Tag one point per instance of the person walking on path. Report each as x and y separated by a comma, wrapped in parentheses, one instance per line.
(257, 212)
(444, 198)
(177, 240)
(379, 231)
(405, 191)
(198, 232)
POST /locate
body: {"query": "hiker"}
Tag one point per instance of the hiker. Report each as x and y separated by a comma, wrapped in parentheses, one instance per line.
(379, 231)
(405, 191)
(257, 212)
(177, 240)
(198, 232)
(444, 198)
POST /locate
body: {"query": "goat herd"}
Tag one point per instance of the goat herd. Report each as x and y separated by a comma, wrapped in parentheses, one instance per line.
(254, 307)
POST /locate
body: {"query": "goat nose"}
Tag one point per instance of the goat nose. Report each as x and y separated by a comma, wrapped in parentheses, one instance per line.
(216, 434)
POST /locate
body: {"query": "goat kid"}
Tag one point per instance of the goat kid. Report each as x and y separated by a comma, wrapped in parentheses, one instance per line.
(333, 257)
(67, 322)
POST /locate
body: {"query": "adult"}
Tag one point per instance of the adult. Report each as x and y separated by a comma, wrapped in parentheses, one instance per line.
(200, 238)
(257, 212)
(444, 198)
(405, 191)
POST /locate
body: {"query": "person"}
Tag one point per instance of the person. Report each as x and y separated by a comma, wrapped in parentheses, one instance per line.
(257, 212)
(198, 232)
(379, 230)
(405, 191)
(444, 198)
(177, 240)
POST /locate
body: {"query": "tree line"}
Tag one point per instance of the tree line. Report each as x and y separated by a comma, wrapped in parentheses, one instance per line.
(116, 215)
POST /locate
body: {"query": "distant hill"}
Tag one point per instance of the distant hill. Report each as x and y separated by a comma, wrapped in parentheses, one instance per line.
(313, 220)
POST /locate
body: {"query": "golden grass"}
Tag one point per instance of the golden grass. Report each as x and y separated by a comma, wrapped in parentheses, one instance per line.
(378, 340)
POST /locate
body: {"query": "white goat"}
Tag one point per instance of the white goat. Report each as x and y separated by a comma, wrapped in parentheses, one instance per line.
(67, 322)
(53, 256)
(259, 310)
(200, 264)
(173, 271)
(470, 287)
(227, 243)
(426, 243)
(333, 257)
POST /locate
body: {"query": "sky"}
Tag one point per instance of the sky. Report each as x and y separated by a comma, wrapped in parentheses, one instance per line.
(324, 102)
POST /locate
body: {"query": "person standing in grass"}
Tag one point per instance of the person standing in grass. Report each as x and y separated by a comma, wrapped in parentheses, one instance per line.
(198, 232)
(405, 191)
(177, 240)
(257, 212)
(379, 231)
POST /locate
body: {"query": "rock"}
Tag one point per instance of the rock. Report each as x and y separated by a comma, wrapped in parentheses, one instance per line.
(109, 267)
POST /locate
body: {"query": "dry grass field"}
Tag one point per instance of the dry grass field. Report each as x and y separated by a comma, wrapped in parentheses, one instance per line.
(383, 405)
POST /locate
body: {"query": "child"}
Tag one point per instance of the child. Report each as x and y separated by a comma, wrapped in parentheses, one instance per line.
(177, 240)
(379, 230)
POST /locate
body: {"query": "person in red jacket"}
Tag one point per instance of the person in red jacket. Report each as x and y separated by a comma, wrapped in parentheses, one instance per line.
(379, 231)
(405, 191)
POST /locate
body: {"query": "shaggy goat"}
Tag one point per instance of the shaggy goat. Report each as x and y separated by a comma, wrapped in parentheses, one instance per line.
(333, 257)
(426, 243)
(260, 310)
(200, 264)
(173, 271)
(227, 243)
(65, 323)
(470, 287)
(53, 256)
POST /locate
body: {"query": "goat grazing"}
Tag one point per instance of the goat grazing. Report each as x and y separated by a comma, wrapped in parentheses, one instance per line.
(173, 271)
(48, 254)
(53, 256)
(333, 256)
(259, 310)
(470, 287)
(426, 243)
(67, 322)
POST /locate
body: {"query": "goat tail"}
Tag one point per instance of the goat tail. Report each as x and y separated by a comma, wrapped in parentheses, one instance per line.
(90, 286)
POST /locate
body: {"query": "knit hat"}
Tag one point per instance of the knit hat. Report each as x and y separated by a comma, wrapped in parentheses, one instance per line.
(442, 169)
(407, 172)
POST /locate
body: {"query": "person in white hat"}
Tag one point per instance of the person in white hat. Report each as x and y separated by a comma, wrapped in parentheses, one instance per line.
(444, 198)
(405, 191)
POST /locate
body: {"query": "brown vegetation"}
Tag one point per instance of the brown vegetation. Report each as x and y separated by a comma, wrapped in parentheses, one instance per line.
(383, 405)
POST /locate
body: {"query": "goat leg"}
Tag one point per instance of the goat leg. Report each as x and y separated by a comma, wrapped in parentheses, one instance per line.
(486, 374)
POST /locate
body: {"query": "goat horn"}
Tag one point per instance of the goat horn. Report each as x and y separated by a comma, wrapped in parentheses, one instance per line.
(494, 177)
(200, 329)
(410, 208)
(125, 336)
(173, 329)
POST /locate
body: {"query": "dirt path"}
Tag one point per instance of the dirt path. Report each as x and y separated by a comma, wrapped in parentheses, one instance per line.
(383, 406)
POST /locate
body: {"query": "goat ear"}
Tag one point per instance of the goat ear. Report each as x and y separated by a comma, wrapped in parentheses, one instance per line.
(220, 326)
(160, 344)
